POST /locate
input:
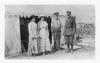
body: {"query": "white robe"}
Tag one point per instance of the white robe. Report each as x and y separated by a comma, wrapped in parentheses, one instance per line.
(44, 34)
(32, 46)
(55, 24)
(62, 40)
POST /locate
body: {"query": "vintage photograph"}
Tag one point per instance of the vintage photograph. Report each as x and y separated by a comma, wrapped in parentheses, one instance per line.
(49, 32)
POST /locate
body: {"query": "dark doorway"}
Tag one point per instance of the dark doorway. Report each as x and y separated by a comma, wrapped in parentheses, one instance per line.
(24, 33)
(24, 21)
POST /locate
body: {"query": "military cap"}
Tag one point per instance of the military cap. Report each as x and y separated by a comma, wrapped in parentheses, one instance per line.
(68, 12)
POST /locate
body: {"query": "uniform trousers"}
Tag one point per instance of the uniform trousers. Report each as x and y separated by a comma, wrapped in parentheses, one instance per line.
(69, 41)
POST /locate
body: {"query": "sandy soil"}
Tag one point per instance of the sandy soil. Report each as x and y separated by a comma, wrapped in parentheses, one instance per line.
(84, 50)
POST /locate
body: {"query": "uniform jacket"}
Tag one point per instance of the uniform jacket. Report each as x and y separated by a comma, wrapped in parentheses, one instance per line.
(70, 26)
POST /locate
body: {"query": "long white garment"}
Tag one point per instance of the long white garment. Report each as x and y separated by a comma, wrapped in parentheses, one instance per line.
(55, 24)
(44, 34)
(32, 47)
(62, 19)
(12, 35)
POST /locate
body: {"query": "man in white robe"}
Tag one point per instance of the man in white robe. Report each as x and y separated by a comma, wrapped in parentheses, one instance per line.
(62, 39)
(56, 30)
(32, 46)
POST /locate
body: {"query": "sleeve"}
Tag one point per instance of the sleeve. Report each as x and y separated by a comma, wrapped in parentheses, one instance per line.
(38, 27)
(52, 25)
(60, 24)
(74, 25)
(29, 29)
(47, 28)
(64, 28)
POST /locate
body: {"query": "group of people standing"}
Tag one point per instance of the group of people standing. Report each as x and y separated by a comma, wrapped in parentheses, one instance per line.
(39, 42)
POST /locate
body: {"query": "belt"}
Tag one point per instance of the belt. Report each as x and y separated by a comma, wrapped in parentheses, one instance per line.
(34, 38)
(56, 27)
(68, 27)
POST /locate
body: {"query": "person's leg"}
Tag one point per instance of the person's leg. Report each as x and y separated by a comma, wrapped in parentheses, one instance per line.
(42, 45)
(29, 46)
(67, 44)
(52, 45)
(32, 48)
(58, 40)
(48, 46)
(38, 46)
(71, 39)
(71, 42)
(54, 36)
(35, 47)
(66, 41)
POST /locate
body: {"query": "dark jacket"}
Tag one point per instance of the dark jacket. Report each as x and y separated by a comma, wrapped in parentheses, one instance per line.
(70, 26)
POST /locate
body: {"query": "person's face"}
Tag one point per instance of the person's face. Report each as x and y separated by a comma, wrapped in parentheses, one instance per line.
(33, 19)
(42, 18)
(56, 15)
(68, 14)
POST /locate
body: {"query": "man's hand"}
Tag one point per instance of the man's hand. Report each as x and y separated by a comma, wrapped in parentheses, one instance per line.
(52, 30)
(32, 38)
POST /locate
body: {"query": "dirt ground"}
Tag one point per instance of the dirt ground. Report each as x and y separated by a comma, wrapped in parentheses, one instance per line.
(84, 50)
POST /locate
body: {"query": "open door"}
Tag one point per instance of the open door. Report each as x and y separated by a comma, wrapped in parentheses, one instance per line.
(24, 33)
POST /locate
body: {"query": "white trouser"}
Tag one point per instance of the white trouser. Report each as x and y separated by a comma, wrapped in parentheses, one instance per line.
(32, 47)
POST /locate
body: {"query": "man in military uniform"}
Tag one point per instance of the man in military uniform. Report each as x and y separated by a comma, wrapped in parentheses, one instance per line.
(69, 31)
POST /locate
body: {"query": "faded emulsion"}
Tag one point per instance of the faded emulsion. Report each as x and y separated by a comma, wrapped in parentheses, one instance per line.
(48, 31)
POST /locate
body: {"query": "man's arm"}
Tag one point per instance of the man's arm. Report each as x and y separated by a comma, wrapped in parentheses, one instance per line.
(64, 28)
(52, 26)
(60, 25)
(29, 29)
(74, 25)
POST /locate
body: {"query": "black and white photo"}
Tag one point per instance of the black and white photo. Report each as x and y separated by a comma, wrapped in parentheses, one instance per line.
(49, 31)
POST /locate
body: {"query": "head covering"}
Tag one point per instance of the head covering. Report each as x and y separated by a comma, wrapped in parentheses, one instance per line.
(68, 12)
(56, 13)
(33, 18)
(41, 15)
